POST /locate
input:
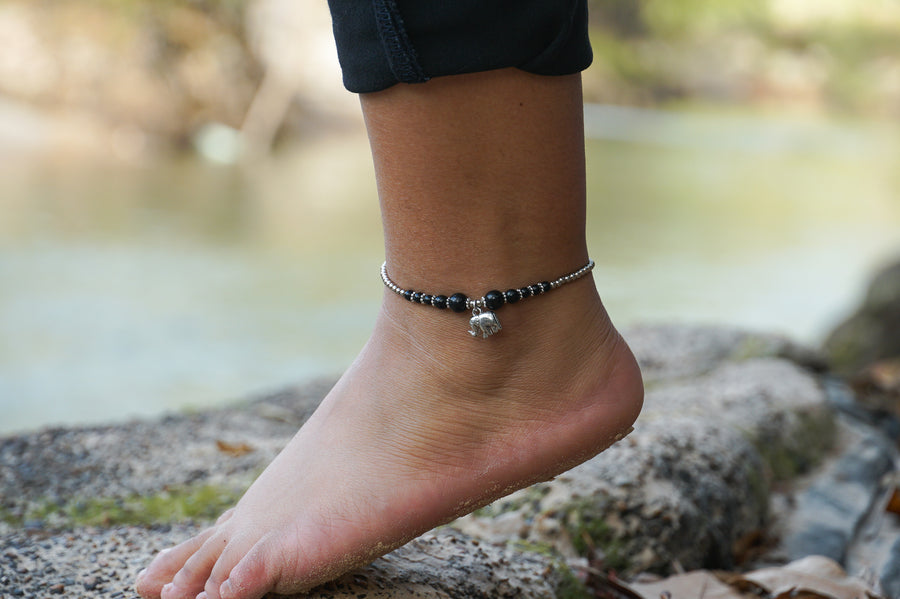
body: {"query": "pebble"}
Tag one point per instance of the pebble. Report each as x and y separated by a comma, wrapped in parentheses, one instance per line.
(90, 584)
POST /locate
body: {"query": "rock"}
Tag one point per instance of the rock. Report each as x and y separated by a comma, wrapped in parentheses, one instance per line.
(871, 333)
(727, 413)
(672, 352)
(434, 566)
(832, 509)
(450, 565)
(838, 509)
(57, 467)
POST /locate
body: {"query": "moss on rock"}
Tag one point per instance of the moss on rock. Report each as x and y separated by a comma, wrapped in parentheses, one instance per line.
(568, 585)
(201, 502)
(591, 533)
(811, 438)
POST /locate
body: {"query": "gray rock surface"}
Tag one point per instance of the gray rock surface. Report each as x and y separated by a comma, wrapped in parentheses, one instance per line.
(144, 457)
(674, 352)
(838, 509)
(835, 505)
(103, 563)
(727, 413)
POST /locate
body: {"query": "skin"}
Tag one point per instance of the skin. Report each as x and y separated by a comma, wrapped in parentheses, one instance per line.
(481, 183)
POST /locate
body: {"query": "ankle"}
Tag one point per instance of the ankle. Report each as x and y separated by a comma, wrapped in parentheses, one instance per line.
(565, 336)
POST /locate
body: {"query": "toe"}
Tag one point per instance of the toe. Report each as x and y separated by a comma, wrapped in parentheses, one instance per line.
(254, 574)
(170, 591)
(225, 516)
(162, 569)
(232, 555)
(190, 580)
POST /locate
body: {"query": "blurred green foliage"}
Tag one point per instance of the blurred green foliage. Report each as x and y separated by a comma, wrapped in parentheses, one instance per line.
(745, 52)
(166, 68)
(664, 18)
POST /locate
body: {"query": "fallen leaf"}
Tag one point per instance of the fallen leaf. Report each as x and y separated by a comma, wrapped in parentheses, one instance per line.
(699, 584)
(748, 546)
(233, 449)
(813, 577)
(877, 387)
(893, 504)
(886, 374)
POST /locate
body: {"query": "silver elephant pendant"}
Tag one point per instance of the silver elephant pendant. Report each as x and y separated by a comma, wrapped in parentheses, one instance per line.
(483, 323)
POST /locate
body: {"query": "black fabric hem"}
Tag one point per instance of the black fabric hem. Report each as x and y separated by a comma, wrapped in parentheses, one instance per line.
(385, 42)
(401, 54)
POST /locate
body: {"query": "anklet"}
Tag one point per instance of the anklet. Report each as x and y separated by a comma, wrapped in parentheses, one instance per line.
(483, 322)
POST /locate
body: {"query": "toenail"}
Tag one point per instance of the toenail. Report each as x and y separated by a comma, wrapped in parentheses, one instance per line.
(202, 595)
(140, 575)
(225, 590)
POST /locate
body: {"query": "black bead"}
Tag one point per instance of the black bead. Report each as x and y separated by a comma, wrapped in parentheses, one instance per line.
(536, 289)
(512, 296)
(493, 299)
(408, 294)
(439, 301)
(426, 299)
(546, 286)
(457, 302)
(525, 292)
(417, 296)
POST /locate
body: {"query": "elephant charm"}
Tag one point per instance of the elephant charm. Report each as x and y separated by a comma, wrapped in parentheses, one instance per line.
(483, 323)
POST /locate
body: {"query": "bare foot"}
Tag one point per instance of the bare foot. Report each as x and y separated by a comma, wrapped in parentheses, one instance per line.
(426, 425)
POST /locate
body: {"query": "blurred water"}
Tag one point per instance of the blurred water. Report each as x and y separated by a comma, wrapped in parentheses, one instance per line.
(128, 292)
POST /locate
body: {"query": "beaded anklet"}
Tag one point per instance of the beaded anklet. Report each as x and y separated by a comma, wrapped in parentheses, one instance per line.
(483, 322)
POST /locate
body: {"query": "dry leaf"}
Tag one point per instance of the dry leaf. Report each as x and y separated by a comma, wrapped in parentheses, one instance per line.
(813, 577)
(878, 386)
(748, 546)
(700, 584)
(893, 504)
(233, 449)
(886, 374)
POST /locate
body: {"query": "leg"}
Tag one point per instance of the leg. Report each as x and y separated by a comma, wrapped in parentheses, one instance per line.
(481, 182)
